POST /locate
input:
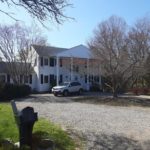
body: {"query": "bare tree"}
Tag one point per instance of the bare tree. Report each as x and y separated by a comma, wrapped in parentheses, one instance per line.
(110, 46)
(15, 41)
(139, 44)
(40, 9)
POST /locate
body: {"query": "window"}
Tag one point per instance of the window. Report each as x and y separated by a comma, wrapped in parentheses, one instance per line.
(60, 62)
(25, 79)
(41, 78)
(76, 78)
(52, 80)
(96, 78)
(91, 78)
(85, 65)
(45, 79)
(76, 68)
(52, 61)
(41, 61)
(2, 78)
(46, 61)
(8, 78)
(30, 79)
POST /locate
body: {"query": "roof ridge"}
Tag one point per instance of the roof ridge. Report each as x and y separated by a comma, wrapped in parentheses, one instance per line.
(48, 46)
(44, 50)
(77, 46)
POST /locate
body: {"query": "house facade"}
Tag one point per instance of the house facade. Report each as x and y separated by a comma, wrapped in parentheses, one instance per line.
(53, 65)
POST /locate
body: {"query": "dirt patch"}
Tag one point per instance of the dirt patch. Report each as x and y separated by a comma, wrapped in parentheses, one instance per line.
(120, 101)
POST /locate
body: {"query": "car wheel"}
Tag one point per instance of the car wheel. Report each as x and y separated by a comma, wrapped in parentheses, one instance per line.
(80, 91)
(65, 93)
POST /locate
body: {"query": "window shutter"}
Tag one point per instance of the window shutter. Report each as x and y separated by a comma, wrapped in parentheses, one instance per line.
(41, 61)
(41, 78)
(8, 78)
(30, 79)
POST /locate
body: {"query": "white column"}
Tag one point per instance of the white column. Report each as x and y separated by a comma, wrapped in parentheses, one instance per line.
(88, 86)
(71, 69)
(57, 70)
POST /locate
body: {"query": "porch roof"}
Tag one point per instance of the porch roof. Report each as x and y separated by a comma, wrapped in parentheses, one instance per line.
(79, 51)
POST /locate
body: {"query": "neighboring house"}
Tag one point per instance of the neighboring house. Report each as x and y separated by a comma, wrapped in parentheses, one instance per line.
(53, 65)
(9, 68)
(4, 75)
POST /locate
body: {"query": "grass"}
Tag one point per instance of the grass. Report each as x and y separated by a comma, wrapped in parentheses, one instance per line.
(42, 129)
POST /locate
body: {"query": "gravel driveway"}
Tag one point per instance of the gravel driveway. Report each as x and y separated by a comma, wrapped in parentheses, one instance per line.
(102, 127)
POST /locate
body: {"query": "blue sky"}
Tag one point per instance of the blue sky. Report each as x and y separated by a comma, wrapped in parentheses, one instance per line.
(87, 14)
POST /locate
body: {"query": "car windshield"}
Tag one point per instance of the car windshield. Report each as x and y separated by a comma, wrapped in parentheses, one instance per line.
(64, 84)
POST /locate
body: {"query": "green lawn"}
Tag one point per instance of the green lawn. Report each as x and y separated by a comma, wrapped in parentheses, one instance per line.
(42, 129)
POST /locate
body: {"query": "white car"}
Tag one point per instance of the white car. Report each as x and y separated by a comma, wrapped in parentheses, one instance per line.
(67, 88)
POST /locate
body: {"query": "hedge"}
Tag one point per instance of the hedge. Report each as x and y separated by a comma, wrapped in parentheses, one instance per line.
(11, 91)
(138, 91)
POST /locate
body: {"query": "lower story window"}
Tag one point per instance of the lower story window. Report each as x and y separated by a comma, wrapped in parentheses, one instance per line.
(26, 79)
(2, 78)
(45, 79)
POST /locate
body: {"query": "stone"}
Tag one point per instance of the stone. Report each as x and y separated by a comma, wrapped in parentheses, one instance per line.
(7, 144)
(17, 144)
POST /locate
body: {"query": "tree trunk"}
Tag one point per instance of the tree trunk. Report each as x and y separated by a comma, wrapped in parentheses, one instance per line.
(115, 93)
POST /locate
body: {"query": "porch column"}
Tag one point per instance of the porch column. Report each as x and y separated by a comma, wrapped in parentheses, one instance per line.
(71, 69)
(87, 86)
(57, 70)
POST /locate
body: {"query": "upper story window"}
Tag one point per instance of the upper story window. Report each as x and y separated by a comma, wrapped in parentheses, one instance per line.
(76, 68)
(52, 61)
(60, 62)
(46, 61)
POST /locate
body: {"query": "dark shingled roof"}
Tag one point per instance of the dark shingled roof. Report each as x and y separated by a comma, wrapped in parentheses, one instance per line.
(4, 66)
(48, 50)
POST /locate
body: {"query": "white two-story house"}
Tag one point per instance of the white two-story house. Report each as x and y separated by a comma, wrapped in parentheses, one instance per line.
(53, 65)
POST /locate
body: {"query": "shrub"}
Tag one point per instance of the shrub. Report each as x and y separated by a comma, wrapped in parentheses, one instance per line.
(10, 91)
(95, 87)
(138, 91)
